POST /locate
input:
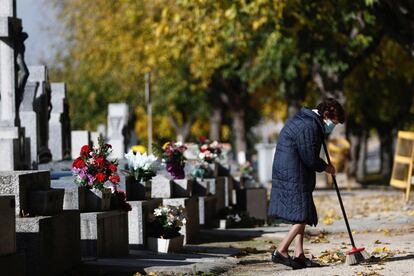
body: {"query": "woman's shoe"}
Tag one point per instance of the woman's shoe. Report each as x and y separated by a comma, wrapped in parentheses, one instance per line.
(288, 261)
(306, 262)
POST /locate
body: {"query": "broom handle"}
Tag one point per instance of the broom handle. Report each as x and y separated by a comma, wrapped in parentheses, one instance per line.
(339, 196)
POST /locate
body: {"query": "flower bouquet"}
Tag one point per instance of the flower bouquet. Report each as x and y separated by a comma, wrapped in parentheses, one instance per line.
(210, 152)
(141, 169)
(92, 170)
(173, 156)
(247, 175)
(165, 225)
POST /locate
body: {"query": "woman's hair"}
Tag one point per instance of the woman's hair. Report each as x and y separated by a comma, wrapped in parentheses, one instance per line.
(334, 109)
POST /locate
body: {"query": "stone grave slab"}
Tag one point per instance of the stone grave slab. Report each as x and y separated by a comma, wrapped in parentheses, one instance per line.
(202, 187)
(7, 225)
(228, 189)
(21, 183)
(254, 201)
(79, 138)
(161, 187)
(207, 210)
(137, 218)
(192, 227)
(183, 187)
(50, 244)
(104, 234)
(74, 196)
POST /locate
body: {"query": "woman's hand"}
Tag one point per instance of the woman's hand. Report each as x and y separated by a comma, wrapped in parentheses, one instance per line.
(330, 169)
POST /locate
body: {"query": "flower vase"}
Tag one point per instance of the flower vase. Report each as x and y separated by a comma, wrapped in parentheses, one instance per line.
(97, 200)
(175, 169)
(165, 245)
(137, 190)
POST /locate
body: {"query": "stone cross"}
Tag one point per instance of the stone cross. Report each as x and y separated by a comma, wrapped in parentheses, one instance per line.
(9, 25)
(59, 124)
(13, 75)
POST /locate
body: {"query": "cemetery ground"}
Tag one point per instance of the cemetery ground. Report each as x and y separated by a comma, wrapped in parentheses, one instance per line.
(381, 222)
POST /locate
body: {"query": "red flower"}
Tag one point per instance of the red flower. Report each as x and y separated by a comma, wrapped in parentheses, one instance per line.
(112, 168)
(114, 179)
(100, 161)
(85, 150)
(100, 177)
(78, 163)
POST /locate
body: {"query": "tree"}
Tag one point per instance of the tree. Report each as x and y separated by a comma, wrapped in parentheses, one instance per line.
(379, 96)
(121, 40)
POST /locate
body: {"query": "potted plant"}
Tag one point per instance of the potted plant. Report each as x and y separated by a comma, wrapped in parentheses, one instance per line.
(92, 170)
(173, 156)
(164, 226)
(141, 169)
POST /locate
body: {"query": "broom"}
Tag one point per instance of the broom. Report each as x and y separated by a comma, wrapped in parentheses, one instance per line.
(356, 255)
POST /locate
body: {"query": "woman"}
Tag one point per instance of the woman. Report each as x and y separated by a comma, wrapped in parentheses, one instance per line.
(293, 178)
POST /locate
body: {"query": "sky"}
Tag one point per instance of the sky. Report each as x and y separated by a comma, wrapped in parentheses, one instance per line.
(38, 19)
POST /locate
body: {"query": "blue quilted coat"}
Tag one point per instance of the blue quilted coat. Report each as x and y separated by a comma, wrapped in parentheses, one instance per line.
(295, 163)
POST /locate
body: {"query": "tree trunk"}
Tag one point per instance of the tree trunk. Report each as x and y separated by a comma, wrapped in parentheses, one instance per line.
(240, 134)
(355, 141)
(183, 131)
(361, 170)
(215, 124)
(386, 153)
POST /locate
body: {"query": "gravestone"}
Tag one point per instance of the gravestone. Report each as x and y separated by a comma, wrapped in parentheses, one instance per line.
(47, 237)
(191, 228)
(79, 139)
(117, 121)
(229, 193)
(253, 201)
(265, 154)
(10, 262)
(207, 210)
(161, 187)
(43, 108)
(59, 124)
(104, 234)
(13, 76)
(137, 221)
(28, 119)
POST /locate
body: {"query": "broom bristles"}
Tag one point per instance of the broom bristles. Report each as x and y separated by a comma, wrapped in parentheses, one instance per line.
(357, 257)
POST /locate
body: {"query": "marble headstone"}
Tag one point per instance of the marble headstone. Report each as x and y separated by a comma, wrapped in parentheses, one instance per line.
(43, 107)
(59, 124)
(117, 120)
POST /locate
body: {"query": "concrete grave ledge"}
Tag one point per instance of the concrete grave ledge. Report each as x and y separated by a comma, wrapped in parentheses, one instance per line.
(137, 218)
(21, 183)
(50, 244)
(7, 226)
(104, 234)
(13, 265)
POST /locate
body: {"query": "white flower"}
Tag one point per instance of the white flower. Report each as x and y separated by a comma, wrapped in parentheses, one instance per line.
(141, 161)
(157, 212)
(201, 155)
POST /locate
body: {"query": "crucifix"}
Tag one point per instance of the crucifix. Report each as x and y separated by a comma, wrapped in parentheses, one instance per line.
(13, 77)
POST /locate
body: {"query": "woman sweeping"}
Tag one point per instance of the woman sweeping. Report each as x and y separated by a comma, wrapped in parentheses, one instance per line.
(293, 178)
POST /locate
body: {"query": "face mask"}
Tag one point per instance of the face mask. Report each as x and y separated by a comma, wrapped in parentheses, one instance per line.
(329, 126)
